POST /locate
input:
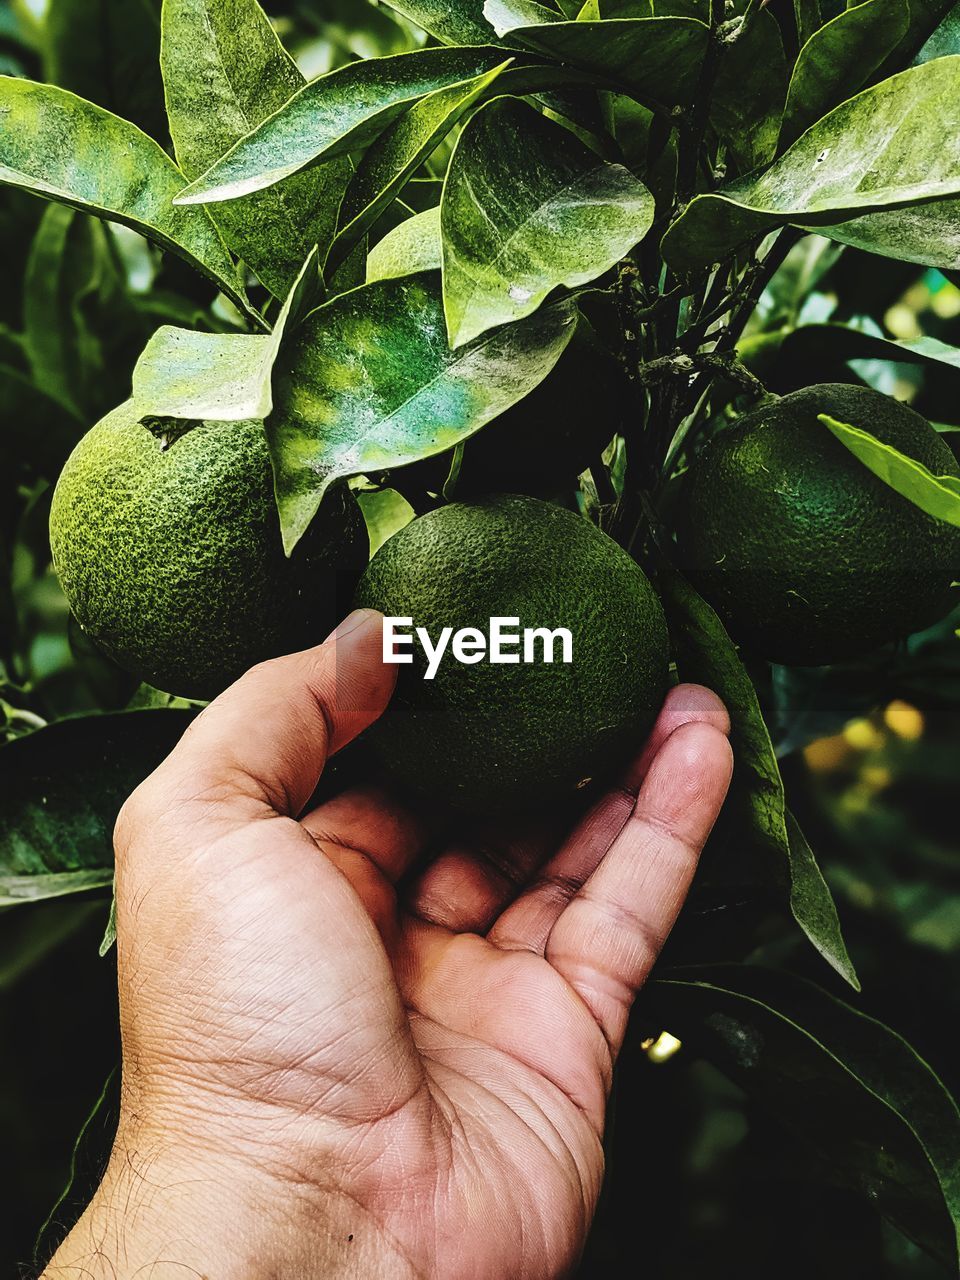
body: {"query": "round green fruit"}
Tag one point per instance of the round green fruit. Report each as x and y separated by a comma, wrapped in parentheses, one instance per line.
(171, 559)
(488, 738)
(806, 555)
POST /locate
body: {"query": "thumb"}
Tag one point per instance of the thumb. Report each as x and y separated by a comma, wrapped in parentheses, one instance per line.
(263, 742)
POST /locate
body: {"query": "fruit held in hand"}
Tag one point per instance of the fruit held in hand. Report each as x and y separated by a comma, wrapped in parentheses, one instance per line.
(491, 737)
(171, 557)
(806, 555)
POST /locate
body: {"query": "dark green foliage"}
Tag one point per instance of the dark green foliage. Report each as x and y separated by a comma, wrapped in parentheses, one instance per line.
(109, 51)
(542, 444)
(485, 738)
(848, 1086)
(170, 553)
(656, 169)
(771, 848)
(61, 791)
(807, 557)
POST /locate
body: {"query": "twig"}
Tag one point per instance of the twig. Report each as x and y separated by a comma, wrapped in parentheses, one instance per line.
(694, 128)
(756, 281)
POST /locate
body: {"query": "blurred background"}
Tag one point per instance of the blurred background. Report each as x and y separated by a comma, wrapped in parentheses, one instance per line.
(702, 1185)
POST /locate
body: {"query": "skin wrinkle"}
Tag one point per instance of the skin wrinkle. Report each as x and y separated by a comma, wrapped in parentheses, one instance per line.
(556, 1133)
(582, 1106)
(460, 1138)
(290, 1083)
(626, 920)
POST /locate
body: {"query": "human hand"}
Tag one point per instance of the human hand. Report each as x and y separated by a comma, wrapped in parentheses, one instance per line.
(326, 1075)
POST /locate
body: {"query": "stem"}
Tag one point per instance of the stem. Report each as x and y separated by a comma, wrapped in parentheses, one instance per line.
(762, 273)
(693, 130)
(695, 127)
(628, 282)
(717, 302)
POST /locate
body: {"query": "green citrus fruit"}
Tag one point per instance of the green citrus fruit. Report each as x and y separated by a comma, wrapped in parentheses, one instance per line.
(171, 557)
(489, 737)
(806, 555)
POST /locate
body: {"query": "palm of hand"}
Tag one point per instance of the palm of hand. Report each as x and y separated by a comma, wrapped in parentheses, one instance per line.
(447, 1049)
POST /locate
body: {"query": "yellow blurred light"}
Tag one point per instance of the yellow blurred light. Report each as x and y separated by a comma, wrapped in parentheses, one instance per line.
(945, 303)
(904, 720)
(917, 297)
(663, 1048)
(863, 735)
(902, 321)
(826, 754)
(876, 777)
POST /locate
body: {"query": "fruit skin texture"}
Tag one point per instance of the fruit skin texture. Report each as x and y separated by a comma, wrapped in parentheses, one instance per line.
(492, 738)
(172, 561)
(806, 555)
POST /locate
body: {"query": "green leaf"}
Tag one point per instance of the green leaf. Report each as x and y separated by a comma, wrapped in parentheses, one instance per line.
(889, 153)
(83, 327)
(811, 901)
(944, 40)
(706, 655)
(35, 426)
(526, 208)
(219, 377)
(342, 111)
(225, 73)
(749, 92)
(69, 261)
(594, 10)
(840, 1081)
(450, 21)
(839, 59)
(656, 59)
(838, 342)
(60, 791)
(808, 19)
(108, 51)
(412, 246)
(16, 890)
(369, 383)
(938, 496)
(398, 153)
(62, 148)
(925, 17)
(110, 929)
(386, 513)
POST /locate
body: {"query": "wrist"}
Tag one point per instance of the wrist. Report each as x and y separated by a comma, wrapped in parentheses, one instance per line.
(164, 1208)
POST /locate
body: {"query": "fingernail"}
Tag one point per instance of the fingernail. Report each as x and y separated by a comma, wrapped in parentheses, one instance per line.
(351, 622)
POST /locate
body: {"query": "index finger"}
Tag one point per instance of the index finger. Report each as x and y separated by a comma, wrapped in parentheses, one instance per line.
(261, 746)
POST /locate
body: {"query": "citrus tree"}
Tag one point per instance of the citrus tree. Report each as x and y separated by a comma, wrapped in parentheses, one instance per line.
(587, 255)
